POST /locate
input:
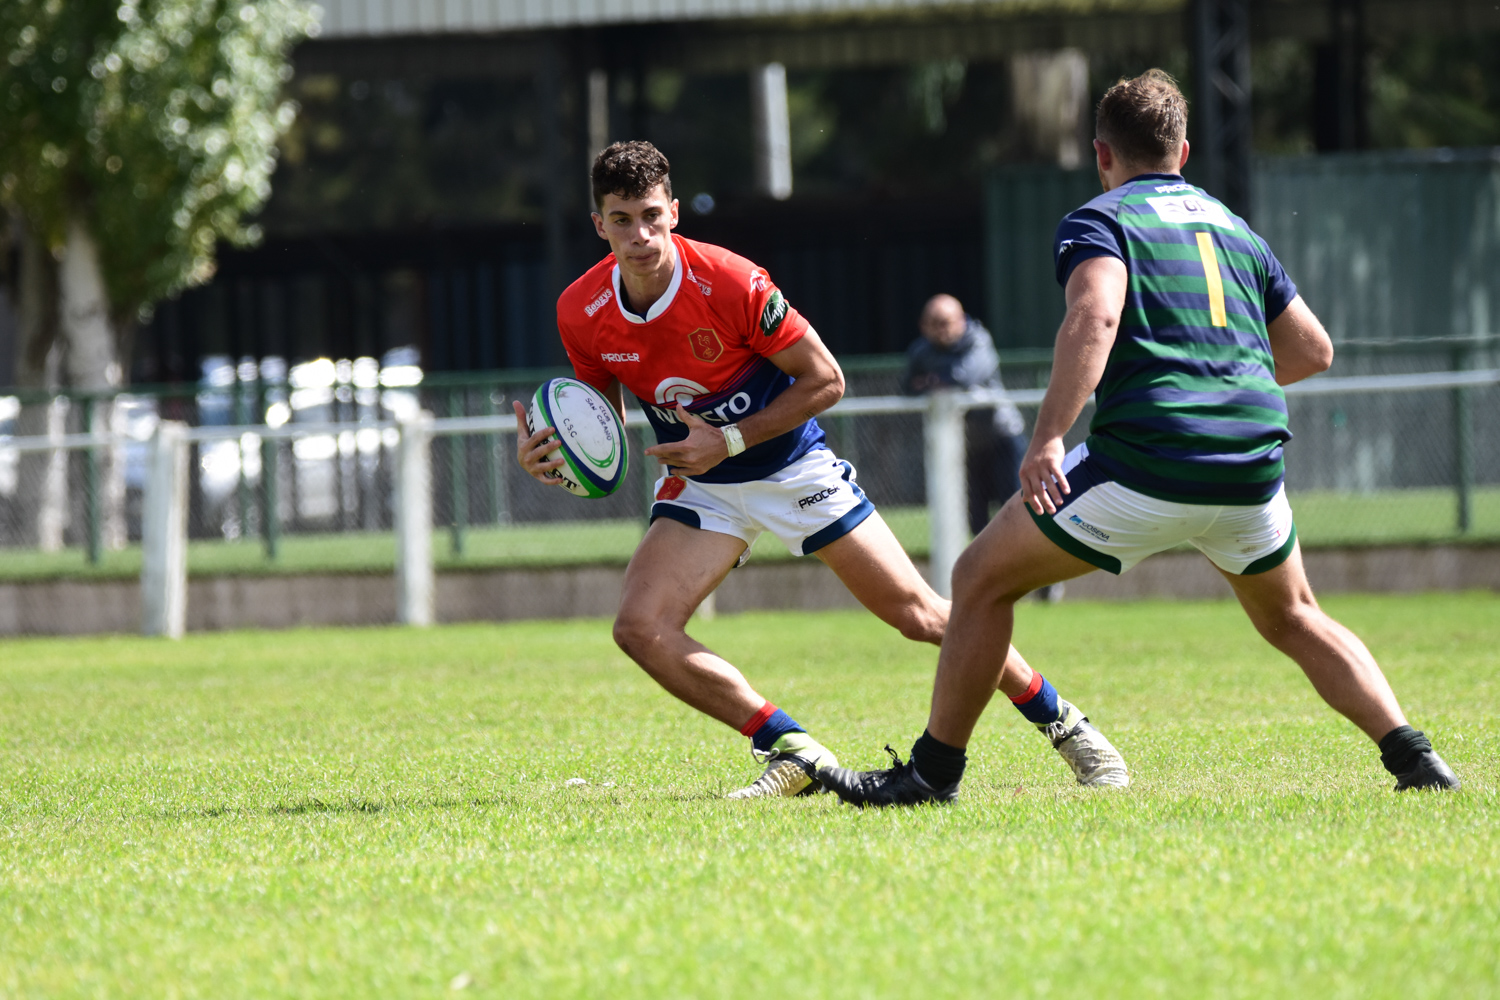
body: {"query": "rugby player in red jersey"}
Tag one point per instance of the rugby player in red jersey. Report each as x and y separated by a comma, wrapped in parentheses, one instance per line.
(732, 378)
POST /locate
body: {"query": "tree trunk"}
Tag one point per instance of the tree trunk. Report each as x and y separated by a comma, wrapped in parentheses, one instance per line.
(93, 364)
(93, 358)
(41, 487)
(1050, 93)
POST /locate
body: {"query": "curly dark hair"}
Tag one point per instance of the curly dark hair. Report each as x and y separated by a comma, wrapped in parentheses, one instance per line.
(1144, 119)
(630, 170)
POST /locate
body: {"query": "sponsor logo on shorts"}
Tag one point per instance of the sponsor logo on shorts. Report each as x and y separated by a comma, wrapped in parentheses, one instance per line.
(671, 488)
(1101, 535)
(774, 312)
(605, 294)
(620, 357)
(706, 344)
(806, 502)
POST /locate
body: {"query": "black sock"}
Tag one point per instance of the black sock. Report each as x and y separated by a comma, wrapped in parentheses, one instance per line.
(1400, 748)
(938, 764)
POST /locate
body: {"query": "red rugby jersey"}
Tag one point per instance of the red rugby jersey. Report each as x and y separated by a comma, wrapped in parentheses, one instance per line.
(702, 345)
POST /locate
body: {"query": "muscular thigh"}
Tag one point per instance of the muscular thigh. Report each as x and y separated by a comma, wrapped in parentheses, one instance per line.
(1012, 557)
(876, 569)
(674, 568)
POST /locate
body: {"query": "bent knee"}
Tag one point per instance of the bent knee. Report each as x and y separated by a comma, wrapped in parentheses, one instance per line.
(1284, 622)
(636, 634)
(924, 622)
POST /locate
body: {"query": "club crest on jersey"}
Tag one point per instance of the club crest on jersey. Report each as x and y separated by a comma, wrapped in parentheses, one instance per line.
(706, 344)
(774, 312)
(605, 294)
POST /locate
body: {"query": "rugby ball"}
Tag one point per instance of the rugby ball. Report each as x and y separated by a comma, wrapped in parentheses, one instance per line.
(592, 436)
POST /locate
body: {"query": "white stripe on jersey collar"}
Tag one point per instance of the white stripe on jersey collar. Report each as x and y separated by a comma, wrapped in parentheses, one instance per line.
(660, 305)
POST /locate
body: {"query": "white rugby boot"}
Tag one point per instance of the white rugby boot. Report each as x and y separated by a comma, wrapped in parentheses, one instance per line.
(791, 769)
(1094, 760)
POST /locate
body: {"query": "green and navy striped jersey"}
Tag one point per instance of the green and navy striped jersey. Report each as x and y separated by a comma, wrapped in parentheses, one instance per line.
(1188, 408)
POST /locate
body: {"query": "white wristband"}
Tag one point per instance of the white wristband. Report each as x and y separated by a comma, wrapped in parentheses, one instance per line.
(733, 439)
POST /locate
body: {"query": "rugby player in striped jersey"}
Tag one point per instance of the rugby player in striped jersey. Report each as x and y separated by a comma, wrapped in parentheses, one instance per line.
(1184, 326)
(731, 378)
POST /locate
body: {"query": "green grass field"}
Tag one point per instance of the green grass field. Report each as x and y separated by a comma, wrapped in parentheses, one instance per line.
(1323, 519)
(386, 813)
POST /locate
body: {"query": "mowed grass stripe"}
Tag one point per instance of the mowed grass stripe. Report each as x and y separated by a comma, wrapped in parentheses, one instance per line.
(374, 812)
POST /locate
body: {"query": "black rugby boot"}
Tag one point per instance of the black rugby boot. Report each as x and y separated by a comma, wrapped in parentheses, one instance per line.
(1428, 770)
(895, 786)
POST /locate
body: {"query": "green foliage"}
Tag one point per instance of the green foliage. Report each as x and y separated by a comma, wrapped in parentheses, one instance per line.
(157, 119)
(376, 812)
(389, 153)
(1434, 91)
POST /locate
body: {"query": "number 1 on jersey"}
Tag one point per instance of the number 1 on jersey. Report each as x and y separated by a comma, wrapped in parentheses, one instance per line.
(1215, 280)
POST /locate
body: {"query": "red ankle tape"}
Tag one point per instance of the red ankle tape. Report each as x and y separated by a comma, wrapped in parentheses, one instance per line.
(1031, 689)
(758, 719)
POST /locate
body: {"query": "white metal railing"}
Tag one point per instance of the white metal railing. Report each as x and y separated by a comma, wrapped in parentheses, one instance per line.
(164, 525)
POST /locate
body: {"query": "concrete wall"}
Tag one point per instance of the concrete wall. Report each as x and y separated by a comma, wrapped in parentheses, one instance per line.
(232, 602)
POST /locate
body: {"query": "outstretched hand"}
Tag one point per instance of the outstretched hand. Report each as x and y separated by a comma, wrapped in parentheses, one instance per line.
(532, 452)
(1042, 481)
(701, 450)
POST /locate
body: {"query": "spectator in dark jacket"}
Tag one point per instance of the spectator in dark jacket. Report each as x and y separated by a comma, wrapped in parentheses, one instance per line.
(956, 352)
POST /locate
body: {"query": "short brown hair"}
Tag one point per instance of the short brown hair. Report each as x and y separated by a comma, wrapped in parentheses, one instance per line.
(630, 170)
(1144, 120)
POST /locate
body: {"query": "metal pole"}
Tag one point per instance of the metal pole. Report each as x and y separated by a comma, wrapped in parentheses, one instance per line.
(848, 442)
(1221, 110)
(772, 138)
(270, 453)
(1463, 446)
(164, 534)
(458, 474)
(91, 485)
(494, 485)
(651, 471)
(242, 403)
(947, 491)
(414, 578)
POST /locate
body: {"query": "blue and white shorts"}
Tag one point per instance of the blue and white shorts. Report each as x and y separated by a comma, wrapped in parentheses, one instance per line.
(809, 504)
(1114, 527)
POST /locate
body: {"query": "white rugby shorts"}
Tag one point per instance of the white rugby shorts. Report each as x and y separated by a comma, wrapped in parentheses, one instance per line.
(808, 504)
(1114, 527)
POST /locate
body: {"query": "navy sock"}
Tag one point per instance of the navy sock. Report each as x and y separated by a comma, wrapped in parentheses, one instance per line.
(769, 725)
(1038, 702)
(1400, 748)
(937, 763)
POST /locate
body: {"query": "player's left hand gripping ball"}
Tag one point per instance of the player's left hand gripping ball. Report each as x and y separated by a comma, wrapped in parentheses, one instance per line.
(593, 449)
(703, 448)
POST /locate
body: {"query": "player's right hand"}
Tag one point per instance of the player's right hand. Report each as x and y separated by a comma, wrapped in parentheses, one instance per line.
(532, 452)
(1042, 481)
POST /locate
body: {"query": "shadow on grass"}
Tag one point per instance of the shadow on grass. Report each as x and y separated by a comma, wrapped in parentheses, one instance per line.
(313, 805)
(316, 805)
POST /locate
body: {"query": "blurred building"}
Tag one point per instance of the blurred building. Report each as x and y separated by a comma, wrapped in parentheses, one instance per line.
(433, 192)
